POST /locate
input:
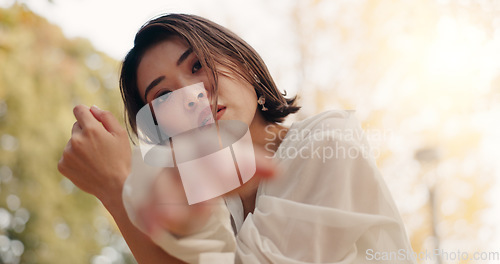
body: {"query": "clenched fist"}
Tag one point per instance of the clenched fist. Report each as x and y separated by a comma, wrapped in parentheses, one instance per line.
(97, 156)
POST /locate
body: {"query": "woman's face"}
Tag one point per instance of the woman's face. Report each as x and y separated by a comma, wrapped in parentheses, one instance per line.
(170, 66)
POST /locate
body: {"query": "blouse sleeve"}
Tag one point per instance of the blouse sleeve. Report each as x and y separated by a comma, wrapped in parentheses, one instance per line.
(329, 208)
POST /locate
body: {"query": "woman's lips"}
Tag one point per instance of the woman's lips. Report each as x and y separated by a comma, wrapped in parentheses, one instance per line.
(206, 118)
(220, 111)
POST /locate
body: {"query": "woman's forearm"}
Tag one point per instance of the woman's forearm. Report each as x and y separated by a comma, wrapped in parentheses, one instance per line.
(97, 160)
(143, 249)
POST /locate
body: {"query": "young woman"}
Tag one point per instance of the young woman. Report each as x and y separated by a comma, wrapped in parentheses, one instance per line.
(326, 203)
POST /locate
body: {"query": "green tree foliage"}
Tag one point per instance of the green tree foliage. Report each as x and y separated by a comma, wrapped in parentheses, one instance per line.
(44, 218)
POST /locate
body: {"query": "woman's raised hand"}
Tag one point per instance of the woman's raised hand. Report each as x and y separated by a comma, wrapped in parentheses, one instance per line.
(97, 156)
(167, 207)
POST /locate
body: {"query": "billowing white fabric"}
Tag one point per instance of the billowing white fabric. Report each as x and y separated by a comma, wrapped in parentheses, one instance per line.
(322, 209)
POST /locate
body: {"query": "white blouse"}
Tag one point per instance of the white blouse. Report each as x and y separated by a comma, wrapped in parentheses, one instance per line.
(330, 205)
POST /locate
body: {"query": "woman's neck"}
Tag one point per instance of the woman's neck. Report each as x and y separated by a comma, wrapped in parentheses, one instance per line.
(266, 135)
(266, 138)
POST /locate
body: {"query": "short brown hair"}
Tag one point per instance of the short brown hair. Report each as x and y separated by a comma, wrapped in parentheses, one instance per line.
(212, 44)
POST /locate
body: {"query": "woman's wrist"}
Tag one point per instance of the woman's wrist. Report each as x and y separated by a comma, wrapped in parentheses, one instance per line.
(111, 198)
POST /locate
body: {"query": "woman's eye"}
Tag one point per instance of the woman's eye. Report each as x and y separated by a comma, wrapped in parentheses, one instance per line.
(161, 97)
(196, 67)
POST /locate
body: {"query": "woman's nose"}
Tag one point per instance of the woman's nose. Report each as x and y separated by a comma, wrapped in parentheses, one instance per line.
(194, 97)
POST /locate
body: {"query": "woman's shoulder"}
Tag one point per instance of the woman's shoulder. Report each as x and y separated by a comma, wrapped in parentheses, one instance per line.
(316, 154)
(330, 116)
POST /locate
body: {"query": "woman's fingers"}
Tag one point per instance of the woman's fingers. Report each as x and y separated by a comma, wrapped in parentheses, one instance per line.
(107, 119)
(76, 128)
(84, 117)
(94, 159)
(265, 167)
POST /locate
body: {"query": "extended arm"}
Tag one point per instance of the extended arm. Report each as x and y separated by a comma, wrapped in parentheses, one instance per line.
(97, 160)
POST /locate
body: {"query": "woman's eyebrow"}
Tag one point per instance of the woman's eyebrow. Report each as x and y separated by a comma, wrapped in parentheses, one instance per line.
(152, 85)
(184, 56)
